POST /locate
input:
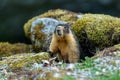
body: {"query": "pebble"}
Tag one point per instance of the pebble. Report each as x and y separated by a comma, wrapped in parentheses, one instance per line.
(70, 67)
(56, 75)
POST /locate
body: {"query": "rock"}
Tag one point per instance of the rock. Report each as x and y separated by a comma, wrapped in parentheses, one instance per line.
(29, 67)
(45, 63)
(110, 51)
(94, 31)
(23, 61)
(97, 31)
(70, 67)
(7, 49)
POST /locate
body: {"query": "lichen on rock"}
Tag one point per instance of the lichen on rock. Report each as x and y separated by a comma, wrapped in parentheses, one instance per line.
(99, 29)
(110, 51)
(22, 61)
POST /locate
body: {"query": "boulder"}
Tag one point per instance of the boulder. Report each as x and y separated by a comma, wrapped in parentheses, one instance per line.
(22, 61)
(94, 31)
(97, 31)
(7, 49)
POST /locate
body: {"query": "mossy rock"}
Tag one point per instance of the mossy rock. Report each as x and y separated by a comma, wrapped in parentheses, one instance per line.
(23, 61)
(94, 31)
(58, 14)
(40, 28)
(7, 49)
(97, 31)
(110, 51)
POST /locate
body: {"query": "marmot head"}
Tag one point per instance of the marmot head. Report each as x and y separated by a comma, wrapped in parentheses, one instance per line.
(61, 30)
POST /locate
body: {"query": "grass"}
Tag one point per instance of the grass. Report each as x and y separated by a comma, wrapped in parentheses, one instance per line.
(88, 63)
(68, 78)
(2, 77)
(111, 76)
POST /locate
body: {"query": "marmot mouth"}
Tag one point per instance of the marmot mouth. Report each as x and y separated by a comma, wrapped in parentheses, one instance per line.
(59, 33)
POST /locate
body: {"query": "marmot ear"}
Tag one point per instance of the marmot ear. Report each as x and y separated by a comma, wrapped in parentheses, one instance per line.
(66, 28)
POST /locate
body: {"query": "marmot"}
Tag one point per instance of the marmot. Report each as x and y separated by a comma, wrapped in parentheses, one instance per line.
(65, 44)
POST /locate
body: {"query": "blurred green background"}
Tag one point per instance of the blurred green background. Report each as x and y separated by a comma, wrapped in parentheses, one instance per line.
(14, 13)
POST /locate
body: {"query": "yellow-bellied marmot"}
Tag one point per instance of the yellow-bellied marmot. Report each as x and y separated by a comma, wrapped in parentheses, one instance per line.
(65, 44)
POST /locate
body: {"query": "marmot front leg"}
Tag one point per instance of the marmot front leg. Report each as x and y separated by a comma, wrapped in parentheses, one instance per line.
(53, 48)
(52, 51)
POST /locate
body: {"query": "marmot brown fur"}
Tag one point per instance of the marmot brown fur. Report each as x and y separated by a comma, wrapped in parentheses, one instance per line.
(65, 44)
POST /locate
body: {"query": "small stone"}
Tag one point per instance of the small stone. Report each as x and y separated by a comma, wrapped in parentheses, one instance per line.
(78, 71)
(60, 63)
(115, 53)
(109, 67)
(103, 70)
(117, 62)
(70, 67)
(110, 53)
(69, 73)
(97, 73)
(119, 68)
(114, 68)
(113, 62)
(45, 63)
(56, 75)
(42, 53)
(79, 16)
(55, 69)
(37, 66)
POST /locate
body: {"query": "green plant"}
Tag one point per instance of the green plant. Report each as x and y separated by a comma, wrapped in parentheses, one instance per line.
(112, 76)
(2, 77)
(87, 63)
(63, 66)
(68, 78)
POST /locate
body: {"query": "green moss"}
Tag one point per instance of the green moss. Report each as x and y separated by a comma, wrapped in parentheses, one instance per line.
(58, 14)
(11, 59)
(26, 61)
(117, 46)
(110, 51)
(93, 30)
(68, 78)
(7, 49)
(62, 15)
(38, 34)
(39, 37)
(27, 26)
(101, 30)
